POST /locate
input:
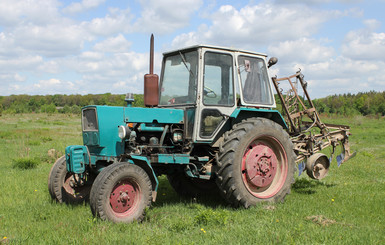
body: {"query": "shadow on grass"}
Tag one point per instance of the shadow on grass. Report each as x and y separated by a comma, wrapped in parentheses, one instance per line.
(308, 186)
(167, 195)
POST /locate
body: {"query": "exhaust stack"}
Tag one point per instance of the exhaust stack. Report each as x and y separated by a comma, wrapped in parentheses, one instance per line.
(151, 81)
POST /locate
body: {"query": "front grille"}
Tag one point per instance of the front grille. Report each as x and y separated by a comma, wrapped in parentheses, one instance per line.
(90, 121)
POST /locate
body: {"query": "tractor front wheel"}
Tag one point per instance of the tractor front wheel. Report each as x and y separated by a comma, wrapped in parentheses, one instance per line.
(121, 193)
(256, 162)
(66, 187)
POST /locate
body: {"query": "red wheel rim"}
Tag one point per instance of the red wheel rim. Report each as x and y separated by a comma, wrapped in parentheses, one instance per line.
(264, 167)
(124, 197)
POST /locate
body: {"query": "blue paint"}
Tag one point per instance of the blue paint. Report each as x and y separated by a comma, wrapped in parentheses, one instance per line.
(174, 158)
(105, 142)
(301, 168)
(275, 115)
(340, 158)
(153, 115)
(76, 158)
(150, 128)
(145, 164)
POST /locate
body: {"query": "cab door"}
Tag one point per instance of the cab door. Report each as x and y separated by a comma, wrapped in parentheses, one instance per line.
(217, 99)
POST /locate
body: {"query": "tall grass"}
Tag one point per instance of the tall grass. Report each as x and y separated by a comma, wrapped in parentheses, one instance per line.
(347, 207)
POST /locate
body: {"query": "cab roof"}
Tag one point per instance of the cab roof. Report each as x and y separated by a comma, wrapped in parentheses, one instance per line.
(214, 47)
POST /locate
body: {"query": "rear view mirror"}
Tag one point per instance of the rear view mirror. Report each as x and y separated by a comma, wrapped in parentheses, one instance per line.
(272, 61)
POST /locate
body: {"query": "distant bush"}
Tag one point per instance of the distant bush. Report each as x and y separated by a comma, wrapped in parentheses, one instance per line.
(25, 163)
(51, 108)
(59, 103)
(368, 103)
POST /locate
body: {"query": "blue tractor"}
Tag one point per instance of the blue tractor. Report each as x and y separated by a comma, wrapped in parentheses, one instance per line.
(209, 124)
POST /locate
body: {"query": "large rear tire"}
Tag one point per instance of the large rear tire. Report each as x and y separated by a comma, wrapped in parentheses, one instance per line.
(256, 163)
(62, 185)
(121, 193)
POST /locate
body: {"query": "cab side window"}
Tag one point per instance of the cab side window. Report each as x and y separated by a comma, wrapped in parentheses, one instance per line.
(255, 82)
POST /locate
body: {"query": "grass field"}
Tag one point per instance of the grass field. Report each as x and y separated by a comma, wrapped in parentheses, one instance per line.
(347, 207)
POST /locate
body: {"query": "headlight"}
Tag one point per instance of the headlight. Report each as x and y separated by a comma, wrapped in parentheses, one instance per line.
(123, 131)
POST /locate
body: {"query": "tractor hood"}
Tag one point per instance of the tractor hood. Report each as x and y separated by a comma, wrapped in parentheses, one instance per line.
(100, 125)
(153, 115)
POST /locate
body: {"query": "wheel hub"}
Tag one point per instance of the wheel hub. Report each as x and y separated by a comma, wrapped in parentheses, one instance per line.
(260, 165)
(122, 197)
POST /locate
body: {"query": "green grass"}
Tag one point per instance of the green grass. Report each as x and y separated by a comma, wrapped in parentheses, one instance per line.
(347, 207)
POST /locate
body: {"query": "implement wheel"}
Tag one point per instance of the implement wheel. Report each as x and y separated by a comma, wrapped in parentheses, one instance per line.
(256, 162)
(121, 193)
(317, 166)
(64, 186)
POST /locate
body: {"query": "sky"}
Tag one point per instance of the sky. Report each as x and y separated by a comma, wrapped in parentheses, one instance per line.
(102, 46)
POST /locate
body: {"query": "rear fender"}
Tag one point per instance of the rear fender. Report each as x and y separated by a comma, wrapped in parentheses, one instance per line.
(244, 113)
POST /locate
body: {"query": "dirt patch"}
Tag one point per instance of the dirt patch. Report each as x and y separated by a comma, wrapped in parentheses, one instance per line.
(321, 220)
(269, 207)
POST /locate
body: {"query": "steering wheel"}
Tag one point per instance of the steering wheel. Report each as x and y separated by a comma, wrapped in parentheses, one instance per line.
(209, 92)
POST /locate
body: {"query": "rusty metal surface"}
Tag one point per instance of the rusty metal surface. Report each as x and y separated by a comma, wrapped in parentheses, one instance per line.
(308, 133)
(151, 81)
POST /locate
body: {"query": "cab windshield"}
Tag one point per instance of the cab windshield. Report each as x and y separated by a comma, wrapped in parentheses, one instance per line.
(179, 81)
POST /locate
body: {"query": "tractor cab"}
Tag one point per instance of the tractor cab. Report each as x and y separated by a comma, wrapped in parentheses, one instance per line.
(210, 83)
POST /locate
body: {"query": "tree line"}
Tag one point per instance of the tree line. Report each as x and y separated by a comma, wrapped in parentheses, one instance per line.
(366, 103)
(59, 103)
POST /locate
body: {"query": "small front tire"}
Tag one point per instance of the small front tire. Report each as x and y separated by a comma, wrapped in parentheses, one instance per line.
(121, 193)
(63, 187)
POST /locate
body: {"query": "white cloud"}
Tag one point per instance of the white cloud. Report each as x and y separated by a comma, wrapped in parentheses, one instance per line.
(11, 77)
(84, 5)
(93, 55)
(256, 26)
(50, 66)
(313, 2)
(306, 50)
(23, 11)
(22, 63)
(365, 44)
(52, 86)
(116, 44)
(53, 40)
(116, 21)
(165, 16)
(337, 75)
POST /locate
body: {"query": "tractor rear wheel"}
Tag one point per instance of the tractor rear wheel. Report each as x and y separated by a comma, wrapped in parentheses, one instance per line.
(63, 187)
(121, 193)
(256, 163)
(192, 187)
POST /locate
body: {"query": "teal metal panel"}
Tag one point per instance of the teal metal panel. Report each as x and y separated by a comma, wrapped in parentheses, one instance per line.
(149, 128)
(76, 158)
(105, 142)
(153, 115)
(91, 137)
(109, 118)
(145, 164)
(174, 158)
(276, 115)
